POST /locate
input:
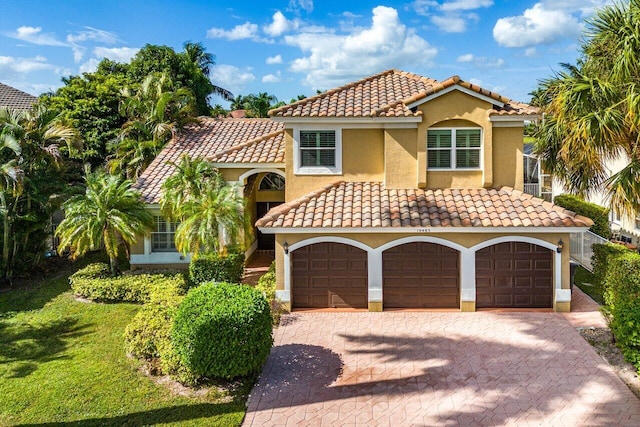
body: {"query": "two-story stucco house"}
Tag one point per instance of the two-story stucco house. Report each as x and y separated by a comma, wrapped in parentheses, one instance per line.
(400, 192)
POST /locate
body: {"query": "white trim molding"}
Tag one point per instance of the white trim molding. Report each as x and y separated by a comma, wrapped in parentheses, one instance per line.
(351, 122)
(460, 89)
(222, 165)
(255, 171)
(513, 118)
(418, 230)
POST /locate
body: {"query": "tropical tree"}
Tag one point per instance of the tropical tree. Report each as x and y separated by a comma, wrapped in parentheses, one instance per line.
(210, 212)
(110, 213)
(155, 114)
(256, 105)
(593, 111)
(37, 176)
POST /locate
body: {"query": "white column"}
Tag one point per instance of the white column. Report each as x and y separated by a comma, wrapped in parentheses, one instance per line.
(374, 262)
(468, 275)
(285, 294)
(561, 295)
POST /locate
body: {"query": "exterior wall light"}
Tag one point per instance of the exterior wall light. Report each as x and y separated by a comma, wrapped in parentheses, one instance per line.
(560, 245)
(286, 247)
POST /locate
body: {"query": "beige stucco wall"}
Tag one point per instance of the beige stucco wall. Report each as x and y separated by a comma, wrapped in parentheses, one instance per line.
(508, 157)
(400, 158)
(138, 247)
(362, 160)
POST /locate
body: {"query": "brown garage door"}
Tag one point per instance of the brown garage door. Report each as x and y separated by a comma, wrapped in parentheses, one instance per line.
(514, 275)
(421, 275)
(329, 275)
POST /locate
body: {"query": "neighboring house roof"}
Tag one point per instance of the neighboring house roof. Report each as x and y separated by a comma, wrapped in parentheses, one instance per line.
(15, 99)
(391, 94)
(231, 141)
(348, 205)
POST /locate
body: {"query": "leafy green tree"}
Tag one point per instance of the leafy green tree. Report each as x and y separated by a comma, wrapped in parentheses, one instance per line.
(40, 176)
(89, 103)
(110, 213)
(593, 110)
(256, 105)
(155, 114)
(210, 212)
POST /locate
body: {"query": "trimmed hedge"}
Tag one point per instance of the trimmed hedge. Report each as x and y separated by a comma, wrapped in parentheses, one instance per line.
(598, 214)
(622, 296)
(603, 254)
(217, 268)
(91, 282)
(223, 330)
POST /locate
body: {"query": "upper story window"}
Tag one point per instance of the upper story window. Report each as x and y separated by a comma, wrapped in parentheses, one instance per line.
(318, 151)
(458, 148)
(163, 237)
(272, 181)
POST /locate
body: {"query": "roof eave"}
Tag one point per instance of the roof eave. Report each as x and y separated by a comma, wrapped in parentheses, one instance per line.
(419, 230)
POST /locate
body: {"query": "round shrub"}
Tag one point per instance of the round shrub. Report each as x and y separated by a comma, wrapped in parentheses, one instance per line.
(223, 330)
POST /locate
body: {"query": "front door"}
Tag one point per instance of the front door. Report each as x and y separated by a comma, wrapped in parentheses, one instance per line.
(266, 242)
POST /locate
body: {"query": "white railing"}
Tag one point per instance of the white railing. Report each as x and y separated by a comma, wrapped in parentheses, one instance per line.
(581, 246)
(533, 189)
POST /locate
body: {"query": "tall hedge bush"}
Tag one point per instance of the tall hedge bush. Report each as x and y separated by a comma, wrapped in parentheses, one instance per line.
(223, 330)
(603, 255)
(622, 295)
(598, 214)
(217, 268)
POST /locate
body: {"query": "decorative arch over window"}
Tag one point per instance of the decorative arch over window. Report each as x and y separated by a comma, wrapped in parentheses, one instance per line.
(272, 181)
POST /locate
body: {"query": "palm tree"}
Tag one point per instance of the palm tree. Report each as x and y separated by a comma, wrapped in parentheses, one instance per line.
(593, 111)
(37, 139)
(155, 114)
(210, 212)
(186, 184)
(197, 54)
(110, 213)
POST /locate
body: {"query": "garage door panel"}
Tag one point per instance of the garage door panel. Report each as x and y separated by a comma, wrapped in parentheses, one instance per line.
(421, 275)
(521, 275)
(329, 275)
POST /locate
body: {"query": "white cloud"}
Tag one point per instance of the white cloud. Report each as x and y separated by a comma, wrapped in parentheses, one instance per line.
(272, 78)
(89, 34)
(119, 54)
(450, 23)
(90, 66)
(280, 25)
(530, 52)
(36, 36)
(456, 5)
(11, 64)
(466, 58)
(331, 59)
(306, 5)
(537, 25)
(450, 16)
(481, 61)
(239, 32)
(274, 59)
(231, 78)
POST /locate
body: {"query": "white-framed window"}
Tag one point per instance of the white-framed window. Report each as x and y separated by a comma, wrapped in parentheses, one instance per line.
(318, 151)
(163, 236)
(455, 148)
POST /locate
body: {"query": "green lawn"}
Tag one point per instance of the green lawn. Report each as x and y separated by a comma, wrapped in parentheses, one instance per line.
(62, 363)
(586, 282)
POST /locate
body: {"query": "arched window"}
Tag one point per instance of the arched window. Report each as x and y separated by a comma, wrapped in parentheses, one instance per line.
(273, 182)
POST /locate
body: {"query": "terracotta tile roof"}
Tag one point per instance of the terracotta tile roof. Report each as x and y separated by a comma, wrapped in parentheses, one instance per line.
(15, 99)
(218, 140)
(371, 205)
(387, 94)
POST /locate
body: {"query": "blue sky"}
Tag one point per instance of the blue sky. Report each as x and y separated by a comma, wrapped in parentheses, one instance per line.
(291, 47)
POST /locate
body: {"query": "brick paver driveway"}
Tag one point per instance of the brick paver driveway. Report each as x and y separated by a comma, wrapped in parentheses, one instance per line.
(436, 368)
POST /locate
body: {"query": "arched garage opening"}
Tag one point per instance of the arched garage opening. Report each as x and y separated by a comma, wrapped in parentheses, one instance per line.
(514, 275)
(421, 275)
(329, 275)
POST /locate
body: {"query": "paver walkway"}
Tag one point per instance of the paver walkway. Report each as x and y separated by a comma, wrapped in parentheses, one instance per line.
(436, 369)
